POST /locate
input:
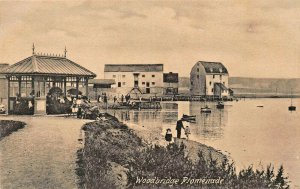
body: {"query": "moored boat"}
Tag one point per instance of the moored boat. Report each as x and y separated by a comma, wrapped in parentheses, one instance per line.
(220, 105)
(206, 109)
(292, 107)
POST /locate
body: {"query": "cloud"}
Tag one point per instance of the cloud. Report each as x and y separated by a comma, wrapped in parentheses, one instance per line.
(245, 35)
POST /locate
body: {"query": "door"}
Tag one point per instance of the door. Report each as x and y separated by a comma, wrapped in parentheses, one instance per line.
(147, 87)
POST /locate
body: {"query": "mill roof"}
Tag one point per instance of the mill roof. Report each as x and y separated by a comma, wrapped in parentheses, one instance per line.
(214, 67)
(133, 68)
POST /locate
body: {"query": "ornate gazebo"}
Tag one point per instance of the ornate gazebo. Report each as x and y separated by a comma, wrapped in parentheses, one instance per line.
(31, 80)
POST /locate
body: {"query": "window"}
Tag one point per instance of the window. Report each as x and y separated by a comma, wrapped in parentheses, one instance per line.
(197, 69)
(124, 83)
(191, 83)
(119, 84)
(153, 75)
(123, 76)
(210, 83)
(212, 90)
(214, 76)
(114, 76)
(143, 83)
(143, 75)
(197, 76)
(153, 83)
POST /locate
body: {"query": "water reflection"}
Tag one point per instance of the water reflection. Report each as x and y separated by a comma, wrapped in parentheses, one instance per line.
(207, 126)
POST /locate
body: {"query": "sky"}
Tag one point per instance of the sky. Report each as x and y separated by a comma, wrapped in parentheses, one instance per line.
(255, 38)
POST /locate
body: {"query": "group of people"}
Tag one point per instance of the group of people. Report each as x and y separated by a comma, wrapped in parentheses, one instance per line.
(104, 98)
(179, 127)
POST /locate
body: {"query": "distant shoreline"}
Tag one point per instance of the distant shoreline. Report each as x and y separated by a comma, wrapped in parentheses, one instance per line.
(264, 96)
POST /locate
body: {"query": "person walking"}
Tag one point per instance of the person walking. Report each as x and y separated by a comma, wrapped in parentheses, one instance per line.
(179, 126)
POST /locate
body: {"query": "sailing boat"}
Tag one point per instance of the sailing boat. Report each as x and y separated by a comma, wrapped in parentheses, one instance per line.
(291, 107)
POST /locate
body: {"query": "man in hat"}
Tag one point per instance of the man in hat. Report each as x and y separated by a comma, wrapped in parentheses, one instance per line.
(179, 126)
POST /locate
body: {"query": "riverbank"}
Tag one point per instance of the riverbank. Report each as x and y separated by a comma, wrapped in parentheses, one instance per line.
(9, 126)
(116, 156)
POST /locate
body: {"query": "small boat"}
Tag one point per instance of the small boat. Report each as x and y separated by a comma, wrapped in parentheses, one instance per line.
(220, 105)
(292, 107)
(260, 106)
(206, 109)
(188, 118)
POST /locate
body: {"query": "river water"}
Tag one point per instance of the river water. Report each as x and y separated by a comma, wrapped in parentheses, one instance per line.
(250, 135)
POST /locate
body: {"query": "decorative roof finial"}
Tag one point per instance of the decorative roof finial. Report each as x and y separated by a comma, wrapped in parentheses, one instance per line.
(33, 53)
(66, 52)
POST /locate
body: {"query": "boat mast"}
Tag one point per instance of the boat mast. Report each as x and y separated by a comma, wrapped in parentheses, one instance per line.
(291, 96)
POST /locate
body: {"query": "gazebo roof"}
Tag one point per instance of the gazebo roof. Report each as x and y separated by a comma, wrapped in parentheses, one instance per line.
(48, 65)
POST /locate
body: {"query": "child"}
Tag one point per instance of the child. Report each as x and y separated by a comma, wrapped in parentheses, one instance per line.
(168, 135)
(187, 132)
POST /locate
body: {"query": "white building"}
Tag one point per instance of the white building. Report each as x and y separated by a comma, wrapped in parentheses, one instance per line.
(209, 79)
(142, 78)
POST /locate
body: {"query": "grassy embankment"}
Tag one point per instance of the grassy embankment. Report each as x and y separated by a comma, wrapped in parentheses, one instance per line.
(9, 126)
(115, 157)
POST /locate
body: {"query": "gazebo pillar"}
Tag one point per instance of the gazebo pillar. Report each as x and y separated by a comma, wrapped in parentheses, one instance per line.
(86, 86)
(77, 86)
(19, 85)
(65, 86)
(8, 95)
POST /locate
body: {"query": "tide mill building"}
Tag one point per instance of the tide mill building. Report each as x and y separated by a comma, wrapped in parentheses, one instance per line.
(136, 78)
(209, 79)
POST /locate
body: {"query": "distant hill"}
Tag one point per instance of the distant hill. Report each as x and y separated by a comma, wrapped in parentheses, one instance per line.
(245, 85)
(272, 86)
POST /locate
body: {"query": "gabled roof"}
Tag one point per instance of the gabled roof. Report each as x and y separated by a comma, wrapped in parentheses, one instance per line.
(102, 81)
(133, 68)
(48, 65)
(214, 67)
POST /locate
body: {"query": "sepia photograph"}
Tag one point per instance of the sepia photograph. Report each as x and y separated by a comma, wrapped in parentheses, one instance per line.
(149, 94)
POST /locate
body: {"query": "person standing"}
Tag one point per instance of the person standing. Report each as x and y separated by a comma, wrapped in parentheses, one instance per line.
(105, 101)
(187, 132)
(168, 135)
(122, 98)
(179, 126)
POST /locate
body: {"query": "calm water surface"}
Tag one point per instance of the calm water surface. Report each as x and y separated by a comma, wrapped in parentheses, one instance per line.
(249, 134)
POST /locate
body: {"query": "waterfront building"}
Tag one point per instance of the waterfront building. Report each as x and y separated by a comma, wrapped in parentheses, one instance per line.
(30, 80)
(171, 83)
(209, 79)
(98, 87)
(136, 78)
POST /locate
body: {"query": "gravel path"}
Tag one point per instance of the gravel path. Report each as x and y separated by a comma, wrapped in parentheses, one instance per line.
(42, 155)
